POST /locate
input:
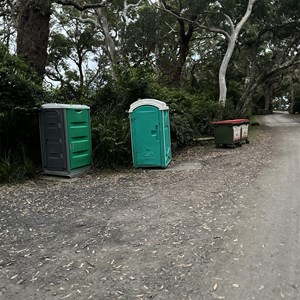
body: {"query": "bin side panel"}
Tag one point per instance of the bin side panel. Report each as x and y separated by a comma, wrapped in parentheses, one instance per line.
(237, 133)
(79, 138)
(146, 137)
(223, 134)
(245, 128)
(167, 138)
(53, 140)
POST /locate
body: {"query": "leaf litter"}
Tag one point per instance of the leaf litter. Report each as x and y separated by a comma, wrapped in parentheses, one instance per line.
(132, 234)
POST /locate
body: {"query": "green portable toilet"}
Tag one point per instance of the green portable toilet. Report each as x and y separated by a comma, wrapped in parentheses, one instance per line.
(150, 133)
(65, 135)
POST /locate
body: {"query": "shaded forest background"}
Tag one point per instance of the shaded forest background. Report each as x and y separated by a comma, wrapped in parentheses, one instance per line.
(108, 54)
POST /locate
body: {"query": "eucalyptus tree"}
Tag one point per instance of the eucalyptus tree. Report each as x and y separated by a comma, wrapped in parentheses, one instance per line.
(7, 22)
(215, 17)
(273, 48)
(151, 39)
(33, 23)
(72, 54)
(111, 21)
(185, 13)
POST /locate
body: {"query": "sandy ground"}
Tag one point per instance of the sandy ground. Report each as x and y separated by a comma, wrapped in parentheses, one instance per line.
(216, 224)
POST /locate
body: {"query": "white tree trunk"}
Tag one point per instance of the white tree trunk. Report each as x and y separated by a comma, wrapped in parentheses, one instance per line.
(109, 42)
(230, 48)
(223, 70)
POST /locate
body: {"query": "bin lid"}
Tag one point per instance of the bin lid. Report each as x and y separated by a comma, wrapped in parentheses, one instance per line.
(232, 122)
(153, 102)
(59, 105)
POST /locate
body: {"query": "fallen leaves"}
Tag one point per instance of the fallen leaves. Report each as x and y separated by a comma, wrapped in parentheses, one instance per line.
(132, 234)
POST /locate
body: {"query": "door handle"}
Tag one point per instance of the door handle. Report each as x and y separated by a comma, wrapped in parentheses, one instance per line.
(155, 132)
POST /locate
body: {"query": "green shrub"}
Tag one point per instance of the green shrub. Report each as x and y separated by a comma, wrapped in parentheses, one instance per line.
(111, 139)
(19, 130)
(134, 84)
(110, 120)
(182, 125)
(205, 112)
(16, 166)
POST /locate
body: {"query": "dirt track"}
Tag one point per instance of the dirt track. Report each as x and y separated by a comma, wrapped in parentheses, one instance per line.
(217, 224)
(268, 238)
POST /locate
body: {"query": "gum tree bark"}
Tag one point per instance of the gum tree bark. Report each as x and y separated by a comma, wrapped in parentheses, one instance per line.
(232, 37)
(185, 38)
(292, 95)
(33, 30)
(33, 33)
(268, 94)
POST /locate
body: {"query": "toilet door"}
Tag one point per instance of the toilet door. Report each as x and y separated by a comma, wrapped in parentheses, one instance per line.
(54, 156)
(146, 136)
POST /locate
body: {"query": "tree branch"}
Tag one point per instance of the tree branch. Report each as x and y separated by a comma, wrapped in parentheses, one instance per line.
(194, 22)
(277, 69)
(128, 6)
(89, 20)
(79, 6)
(172, 29)
(230, 22)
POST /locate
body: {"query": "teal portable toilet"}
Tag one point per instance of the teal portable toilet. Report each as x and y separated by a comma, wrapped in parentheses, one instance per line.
(150, 133)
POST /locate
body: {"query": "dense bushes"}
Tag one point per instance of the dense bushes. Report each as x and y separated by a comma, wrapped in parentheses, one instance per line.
(110, 120)
(204, 112)
(182, 125)
(20, 98)
(190, 116)
(111, 139)
(15, 166)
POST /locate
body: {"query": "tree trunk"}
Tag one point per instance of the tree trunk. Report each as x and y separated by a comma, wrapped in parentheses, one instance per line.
(109, 43)
(293, 100)
(33, 33)
(247, 97)
(268, 94)
(230, 48)
(185, 38)
(256, 80)
(223, 70)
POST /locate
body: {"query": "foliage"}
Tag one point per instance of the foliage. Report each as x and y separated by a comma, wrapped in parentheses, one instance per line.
(17, 88)
(20, 99)
(111, 139)
(72, 48)
(182, 126)
(16, 166)
(207, 111)
(110, 120)
(297, 98)
(190, 115)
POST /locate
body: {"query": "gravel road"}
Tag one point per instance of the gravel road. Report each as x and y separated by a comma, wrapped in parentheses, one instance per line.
(265, 261)
(216, 224)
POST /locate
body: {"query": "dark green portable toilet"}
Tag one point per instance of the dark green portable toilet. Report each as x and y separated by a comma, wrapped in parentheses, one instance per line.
(150, 133)
(65, 134)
